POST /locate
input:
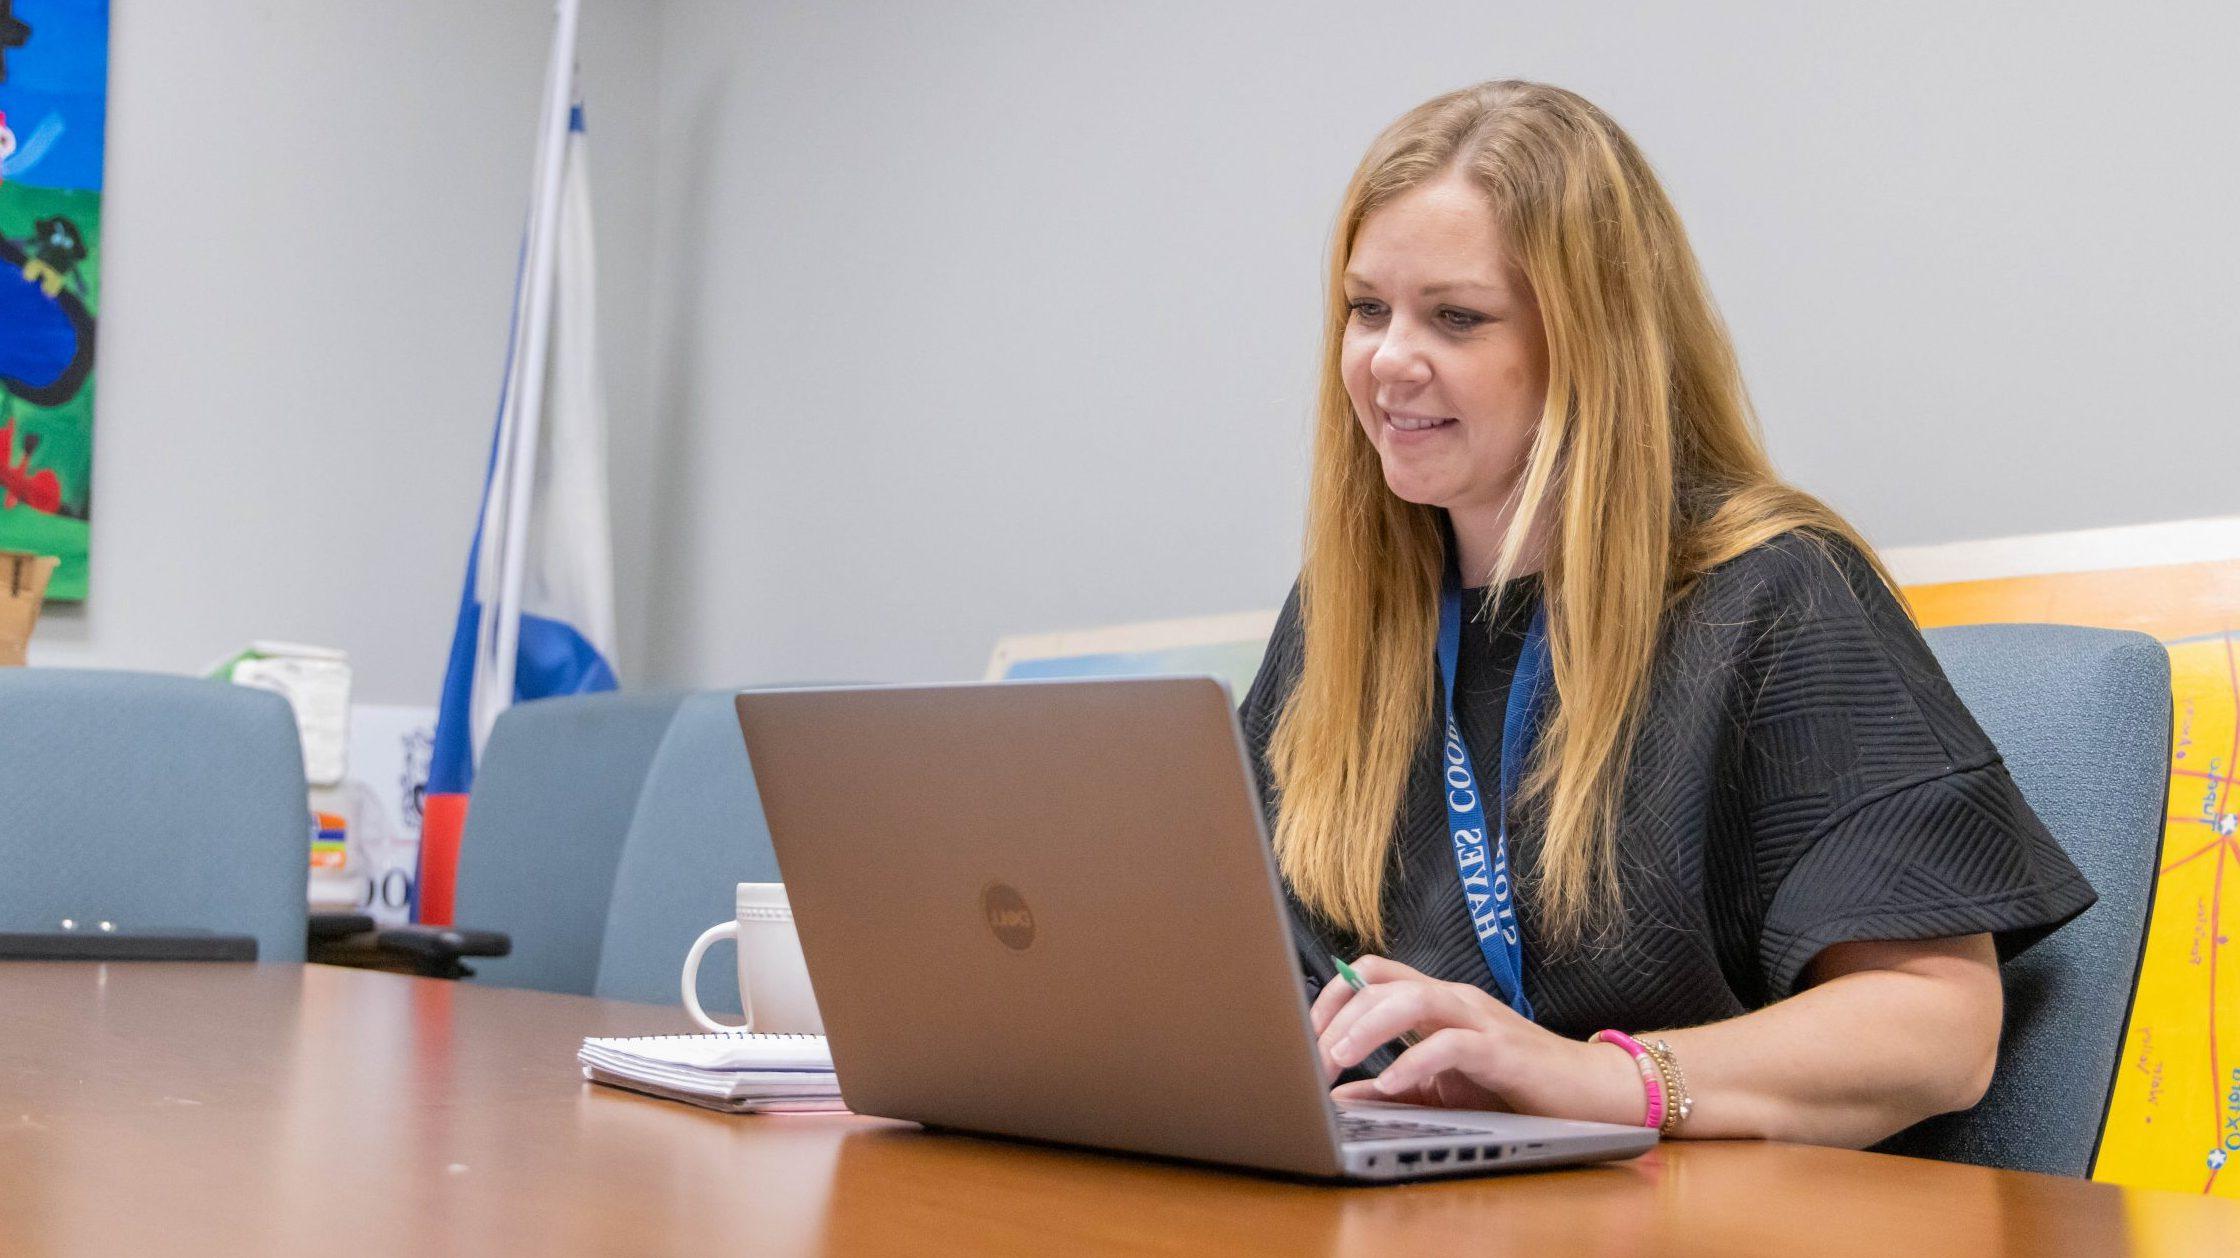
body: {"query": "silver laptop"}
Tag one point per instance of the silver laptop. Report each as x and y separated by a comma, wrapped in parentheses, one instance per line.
(1048, 910)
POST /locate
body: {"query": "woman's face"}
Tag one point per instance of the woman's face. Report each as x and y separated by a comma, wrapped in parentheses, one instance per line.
(1444, 355)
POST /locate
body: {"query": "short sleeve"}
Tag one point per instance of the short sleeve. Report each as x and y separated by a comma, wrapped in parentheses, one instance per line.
(1877, 807)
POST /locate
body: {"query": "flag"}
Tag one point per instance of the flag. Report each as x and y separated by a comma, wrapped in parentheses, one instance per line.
(536, 614)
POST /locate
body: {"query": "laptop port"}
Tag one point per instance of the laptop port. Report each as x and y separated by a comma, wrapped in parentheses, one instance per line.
(1465, 1155)
(1410, 1159)
(1437, 1155)
(1493, 1153)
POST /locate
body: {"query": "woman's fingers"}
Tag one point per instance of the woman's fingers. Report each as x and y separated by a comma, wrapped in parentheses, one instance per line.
(1333, 997)
(1376, 969)
(1440, 1051)
(1362, 1090)
(1381, 1013)
(1338, 1029)
(1337, 994)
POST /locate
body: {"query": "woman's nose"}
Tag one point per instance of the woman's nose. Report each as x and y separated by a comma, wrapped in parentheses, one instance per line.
(1398, 360)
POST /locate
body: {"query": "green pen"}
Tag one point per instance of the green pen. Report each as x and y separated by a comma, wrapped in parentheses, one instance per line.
(1353, 980)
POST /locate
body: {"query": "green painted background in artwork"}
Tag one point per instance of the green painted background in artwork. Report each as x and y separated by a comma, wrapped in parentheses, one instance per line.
(65, 432)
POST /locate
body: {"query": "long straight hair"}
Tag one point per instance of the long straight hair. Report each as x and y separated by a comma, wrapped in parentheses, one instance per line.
(1646, 471)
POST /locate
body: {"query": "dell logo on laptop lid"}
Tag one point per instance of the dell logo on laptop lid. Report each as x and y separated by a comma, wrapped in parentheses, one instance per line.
(1008, 916)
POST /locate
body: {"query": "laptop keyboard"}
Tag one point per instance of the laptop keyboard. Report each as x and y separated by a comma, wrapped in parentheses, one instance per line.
(1357, 1127)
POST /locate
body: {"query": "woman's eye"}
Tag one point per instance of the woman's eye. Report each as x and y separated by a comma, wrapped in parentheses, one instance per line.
(1455, 320)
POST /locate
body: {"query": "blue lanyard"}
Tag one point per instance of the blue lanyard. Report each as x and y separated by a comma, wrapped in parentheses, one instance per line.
(1488, 890)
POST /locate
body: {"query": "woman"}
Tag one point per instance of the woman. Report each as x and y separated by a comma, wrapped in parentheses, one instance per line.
(1746, 804)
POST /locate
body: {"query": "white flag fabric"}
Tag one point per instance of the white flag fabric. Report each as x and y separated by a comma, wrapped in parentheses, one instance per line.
(558, 638)
(567, 588)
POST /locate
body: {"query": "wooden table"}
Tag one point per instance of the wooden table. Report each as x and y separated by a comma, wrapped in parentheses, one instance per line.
(237, 1109)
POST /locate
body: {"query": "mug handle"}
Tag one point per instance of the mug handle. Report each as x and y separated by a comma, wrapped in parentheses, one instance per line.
(691, 980)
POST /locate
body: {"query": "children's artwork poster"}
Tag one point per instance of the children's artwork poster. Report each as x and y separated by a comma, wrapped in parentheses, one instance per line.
(54, 82)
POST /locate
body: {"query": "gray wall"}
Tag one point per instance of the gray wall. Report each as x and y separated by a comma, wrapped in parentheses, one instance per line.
(311, 217)
(930, 322)
(985, 318)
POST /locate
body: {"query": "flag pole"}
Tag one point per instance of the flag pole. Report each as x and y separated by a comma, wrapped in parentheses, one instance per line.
(522, 424)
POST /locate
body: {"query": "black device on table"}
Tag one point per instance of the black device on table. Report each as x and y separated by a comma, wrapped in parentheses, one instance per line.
(114, 944)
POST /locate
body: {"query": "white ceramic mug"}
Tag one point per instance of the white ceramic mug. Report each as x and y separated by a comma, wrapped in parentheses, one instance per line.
(773, 980)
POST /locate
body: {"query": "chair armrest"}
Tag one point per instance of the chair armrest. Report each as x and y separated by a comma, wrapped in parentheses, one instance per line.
(353, 939)
(331, 924)
(444, 941)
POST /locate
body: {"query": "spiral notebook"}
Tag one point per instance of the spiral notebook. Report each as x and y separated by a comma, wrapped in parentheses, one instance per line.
(737, 1072)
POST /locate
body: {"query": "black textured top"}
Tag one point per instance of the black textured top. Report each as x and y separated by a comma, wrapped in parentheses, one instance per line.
(1804, 775)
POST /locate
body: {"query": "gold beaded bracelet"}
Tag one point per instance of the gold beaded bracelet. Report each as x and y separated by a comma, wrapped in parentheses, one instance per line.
(1677, 1102)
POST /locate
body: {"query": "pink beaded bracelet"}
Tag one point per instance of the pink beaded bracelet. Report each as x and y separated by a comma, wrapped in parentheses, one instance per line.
(1652, 1079)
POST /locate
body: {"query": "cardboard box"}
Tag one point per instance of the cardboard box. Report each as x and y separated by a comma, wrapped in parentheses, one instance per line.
(23, 588)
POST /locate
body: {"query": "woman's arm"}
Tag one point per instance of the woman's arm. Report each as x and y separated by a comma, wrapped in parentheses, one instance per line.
(1889, 1033)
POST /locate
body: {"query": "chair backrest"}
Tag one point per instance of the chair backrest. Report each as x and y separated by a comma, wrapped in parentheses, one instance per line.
(152, 801)
(2082, 717)
(698, 833)
(553, 798)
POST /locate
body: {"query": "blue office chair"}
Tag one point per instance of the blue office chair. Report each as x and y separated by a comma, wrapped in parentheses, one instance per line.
(606, 832)
(553, 799)
(2082, 717)
(698, 832)
(154, 802)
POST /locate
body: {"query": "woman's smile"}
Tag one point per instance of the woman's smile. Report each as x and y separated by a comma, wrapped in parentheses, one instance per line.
(1417, 426)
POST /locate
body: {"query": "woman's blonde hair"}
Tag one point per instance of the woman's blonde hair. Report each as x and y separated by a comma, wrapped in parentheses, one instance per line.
(1646, 471)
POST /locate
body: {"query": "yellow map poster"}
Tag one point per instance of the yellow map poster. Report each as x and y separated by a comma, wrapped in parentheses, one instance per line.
(2175, 1115)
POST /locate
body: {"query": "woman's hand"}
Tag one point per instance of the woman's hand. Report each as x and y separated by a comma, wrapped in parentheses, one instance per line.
(1476, 1052)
